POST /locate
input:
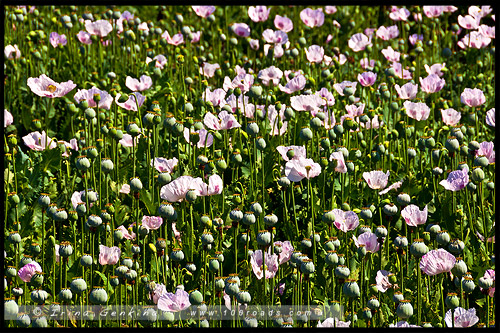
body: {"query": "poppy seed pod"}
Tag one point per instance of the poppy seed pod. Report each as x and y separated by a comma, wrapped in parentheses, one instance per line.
(468, 284)
(342, 271)
(400, 241)
(456, 246)
(307, 266)
(351, 289)
(23, 320)
(82, 163)
(243, 297)
(306, 243)
(135, 184)
(98, 296)
(306, 134)
(39, 296)
(373, 303)
(107, 165)
(78, 285)
(195, 297)
(477, 174)
(65, 249)
(94, 221)
(418, 248)
(177, 254)
(404, 309)
(460, 267)
(231, 287)
(443, 237)
(65, 295)
(14, 237)
(214, 265)
(270, 220)
(452, 301)
(168, 211)
(381, 231)
(403, 199)
(366, 214)
(485, 283)
(252, 128)
(37, 279)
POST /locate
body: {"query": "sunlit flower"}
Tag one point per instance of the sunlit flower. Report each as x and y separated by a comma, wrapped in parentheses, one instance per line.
(486, 149)
(435, 69)
(8, 119)
(44, 86)
(223, 121)
(295, 84)
(358, 42)
(298, 169)
(333, 322)
(203, 11)
(127, 233)
(312, 18)
(390, 54)
(382, 280)
(164, 165)
(299, 152)
(241, 29)
(145, 82)
(270, 75)
(152, 222)
(437, 261)
(376, 180)
(369, 240)
(413, 216)
(367, 79)
(472, 97)
(283, 23)
(387, 33)
(258, 13)
(341, 166)
(315, 53)
(109, 255)
(450, 117)
(456, 180)
(100, 28)
(490, 117)
(208, 69)
(269, 264)
(462, 317)
(56, 39)
(88, 95)
(418, 111)
(133, 99)
(345, 221)
(176, 39)
(39, 142)
(12, 52)
(174, 302)
(28, 270)
(407, 91)
(432, 83)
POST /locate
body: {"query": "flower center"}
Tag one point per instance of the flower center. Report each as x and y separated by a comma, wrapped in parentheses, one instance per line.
(51, 88)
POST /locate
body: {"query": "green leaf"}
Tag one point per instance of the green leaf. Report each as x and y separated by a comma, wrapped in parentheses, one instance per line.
(147, 199)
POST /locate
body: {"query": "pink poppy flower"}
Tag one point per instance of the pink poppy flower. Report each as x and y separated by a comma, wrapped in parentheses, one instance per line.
(490, 117)
(450, 117)
(461, 317)
(72, 144)
(270, 75)
(258, 13)
(401, 72)
(418, 111)
(414, 38)
(274, 121)
(254, 43)
(456, 180)
(433, 11)
(128, 141)
(298, 169)
(312, 18)
(176, 190)
(369, 240)
(164, 165)
(330, 9)
(196, 36)
(44, 86)
(480, 12)
(326, 95)
(126, 234)
(152, 222)
(435, 69)
(142, 84)
(474, 39)
(241, 29)
(286, 251)
(174, 302)
(376, 180)
(432, 83)
(109, 255)
(299, 152)
(206, 138)
(203, 11)
(223, 121)
(275, 37)
(333, 322)
(208, 69)
(387, 33)
(215, 185)
(345, 221)
(131, 103)
(437, 261)
(277, 50)
(39, 142)
(12, 52)
(242, 81)
(58, 256)
(486, 149)
(341, 166)
(283, 23)
(125, 189)
(310, 103)
(469, 22)
(216, 97)
(28, 270)
(159, 290)
(88, 95)
(315, 53)
(399, 14)
(354, 111)
(100, 28)
(160, 61)
(382, 280)
(84, 37)
(394, 186)
(125, 16)
(8, 119)
(177, 234)
(390, 54)
(487, 31)
(472, 97)
(56, 39)
(271, 264)
(296, 84)
(358, 42)
(366, 63)
(367, 79)
(414, 216)
(339, 87)
(407, 91)
(176, 39)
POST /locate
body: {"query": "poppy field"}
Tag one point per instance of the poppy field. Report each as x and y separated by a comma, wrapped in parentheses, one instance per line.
(249, 166)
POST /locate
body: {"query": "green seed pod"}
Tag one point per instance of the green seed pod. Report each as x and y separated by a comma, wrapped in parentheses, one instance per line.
(78, 285)
(443, 237)
(307, 266)
(342, 271)
(460, 267)
(404, 309)
(351, 289)
(418, 248)
(400, 241)
(177, 255)
(468, 284)
(263, 238)
(98, 295)
(135, 184)
(306, 134)
(195, 297)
